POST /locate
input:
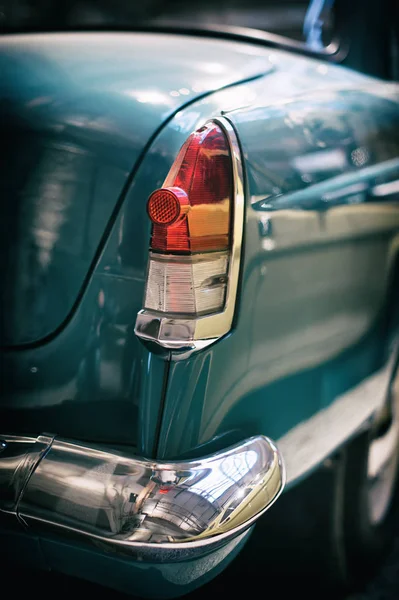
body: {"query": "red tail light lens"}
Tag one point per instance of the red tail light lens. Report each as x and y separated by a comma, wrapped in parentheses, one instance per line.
(202, 174)
(197, 221)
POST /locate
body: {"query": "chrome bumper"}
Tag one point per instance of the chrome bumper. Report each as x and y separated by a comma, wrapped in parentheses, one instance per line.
(158, 511)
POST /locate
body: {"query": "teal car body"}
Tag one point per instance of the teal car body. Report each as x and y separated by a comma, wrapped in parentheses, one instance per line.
(94, 122)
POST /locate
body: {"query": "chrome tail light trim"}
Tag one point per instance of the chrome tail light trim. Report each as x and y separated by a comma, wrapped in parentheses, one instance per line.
(190, 334)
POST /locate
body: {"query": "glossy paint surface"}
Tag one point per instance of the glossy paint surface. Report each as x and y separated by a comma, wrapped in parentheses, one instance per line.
(95, 381)
(93, 103)
(78, 111)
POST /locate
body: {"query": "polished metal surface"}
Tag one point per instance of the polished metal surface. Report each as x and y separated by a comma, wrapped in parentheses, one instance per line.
(151, 510)
(188, 335)
(18, 457)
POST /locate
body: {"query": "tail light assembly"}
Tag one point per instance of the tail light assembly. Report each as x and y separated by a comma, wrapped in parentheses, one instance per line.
(195, 248)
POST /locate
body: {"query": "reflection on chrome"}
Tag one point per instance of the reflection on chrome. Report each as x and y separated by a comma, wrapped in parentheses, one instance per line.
(19, 456)
(138, 505)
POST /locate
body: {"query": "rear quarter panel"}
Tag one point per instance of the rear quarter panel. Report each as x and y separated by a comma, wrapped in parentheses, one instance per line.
(309, 358)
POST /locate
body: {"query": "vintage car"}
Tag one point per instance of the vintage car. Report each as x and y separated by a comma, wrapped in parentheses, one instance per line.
(200, 301)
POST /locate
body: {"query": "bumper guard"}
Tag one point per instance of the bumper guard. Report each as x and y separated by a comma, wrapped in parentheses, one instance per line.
(152, 510)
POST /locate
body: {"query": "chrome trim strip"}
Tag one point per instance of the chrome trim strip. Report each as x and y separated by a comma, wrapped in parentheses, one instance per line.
(187, 335)
(159, 511)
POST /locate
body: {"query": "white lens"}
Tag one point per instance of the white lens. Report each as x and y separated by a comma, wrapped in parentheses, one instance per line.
(189, 285)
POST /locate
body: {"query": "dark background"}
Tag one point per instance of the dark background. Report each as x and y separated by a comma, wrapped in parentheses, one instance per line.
(368, 30)
(284, 17)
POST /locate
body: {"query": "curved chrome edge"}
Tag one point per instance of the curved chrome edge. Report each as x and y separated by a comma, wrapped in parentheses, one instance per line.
(188, 335)
(19, 456)
(158, 511)
(165, 330)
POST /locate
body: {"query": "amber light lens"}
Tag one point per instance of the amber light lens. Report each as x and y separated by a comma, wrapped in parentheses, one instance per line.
(163, 207)
(166, 205)
(203, 173)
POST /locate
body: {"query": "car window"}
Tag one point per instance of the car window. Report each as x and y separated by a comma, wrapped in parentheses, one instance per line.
(301, 20)
(307, 21)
